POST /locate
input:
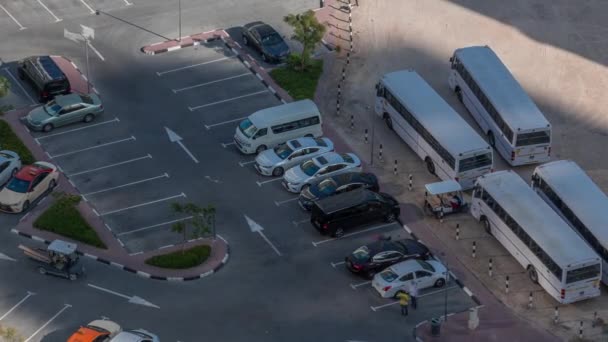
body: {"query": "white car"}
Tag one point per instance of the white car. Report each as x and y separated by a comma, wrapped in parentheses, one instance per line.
(139, 335)
(329, 164)
(397, 278)
(274, 162)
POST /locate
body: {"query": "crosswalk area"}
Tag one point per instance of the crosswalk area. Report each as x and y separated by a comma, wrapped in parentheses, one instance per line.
(22, 14)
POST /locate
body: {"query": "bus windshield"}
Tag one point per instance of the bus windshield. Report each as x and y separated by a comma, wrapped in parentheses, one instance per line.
(533, 138)
(583, 273)
(475, 162)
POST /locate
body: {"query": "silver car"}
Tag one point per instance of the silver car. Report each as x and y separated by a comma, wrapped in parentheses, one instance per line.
(10, 163)
(398, 278)
(274, 162)
(139, 335)
(329, 164)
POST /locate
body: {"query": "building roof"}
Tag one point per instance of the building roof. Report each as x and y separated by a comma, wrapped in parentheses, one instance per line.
(449, 185)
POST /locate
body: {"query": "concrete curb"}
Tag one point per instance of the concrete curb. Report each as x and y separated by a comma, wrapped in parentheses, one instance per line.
(80, 71)
(139, 273)
(193, 41)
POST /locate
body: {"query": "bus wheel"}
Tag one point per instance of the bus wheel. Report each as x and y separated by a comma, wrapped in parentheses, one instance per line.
(389, 121)
(459, 94)
(532, 274)
(486, 225)
(491, 140)
(430, 166)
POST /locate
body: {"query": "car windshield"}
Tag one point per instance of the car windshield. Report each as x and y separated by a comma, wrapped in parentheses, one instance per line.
(52, 108)
(283, 151)
(426, 265)
(247, 128)
(5, 155)
(272, 39)
(388, 275)
(309, 168)
(328, 186)
(361, 253)
(18, 185)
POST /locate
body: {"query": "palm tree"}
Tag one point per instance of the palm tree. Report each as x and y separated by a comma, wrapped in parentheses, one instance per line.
(201, 221)
(308, 31)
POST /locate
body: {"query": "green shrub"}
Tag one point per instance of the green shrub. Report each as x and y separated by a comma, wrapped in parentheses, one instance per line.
(187, 258)
(10, 141)
(300, 84)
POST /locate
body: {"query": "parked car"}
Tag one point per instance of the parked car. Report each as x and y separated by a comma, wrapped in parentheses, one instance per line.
(372, 258)
(138, 335)
(334, 215)
(63, 110)
(268, 42)
(10, 163)
(27, 186)
(336, 185)
(100, 330)
(397, 278)
(45, 76)
(274, 162)
(330, 164)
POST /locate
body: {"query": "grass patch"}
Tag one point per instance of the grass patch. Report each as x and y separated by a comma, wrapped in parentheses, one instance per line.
(10, 141)
(190, 257)
(299, 84)
(63, 218)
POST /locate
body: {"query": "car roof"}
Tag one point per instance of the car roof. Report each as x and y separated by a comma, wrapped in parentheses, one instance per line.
(406, 267)
(384, 245)
(444, 187)
(304, 142)
(29, 172)
(62, 247)
(331, 158)
(354, 177)
(132, 336)
(49, 67)
(105, 324)
(286, 112)
(86, 334)
(345, 200)
(69, 99)
(264, 29)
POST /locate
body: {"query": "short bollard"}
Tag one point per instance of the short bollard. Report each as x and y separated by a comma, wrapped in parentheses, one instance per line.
(380, 152)
(338, 107)
(435, 326)
(594, 322)
(366, 136)
(490, 267)
(339, 90)
(507, 284)
(410, 183)
(352, 122)
(580, 331)
(343, 73)
(395, 168)
(474, 248)
(457, 231)
(530, 301)
(556, 315)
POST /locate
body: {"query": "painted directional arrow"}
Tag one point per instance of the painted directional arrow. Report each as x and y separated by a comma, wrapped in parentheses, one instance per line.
(256, 228)
(132, 299)
(6, 257)
(173, 137)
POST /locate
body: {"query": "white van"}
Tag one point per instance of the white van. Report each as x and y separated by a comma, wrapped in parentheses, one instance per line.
(272, 126)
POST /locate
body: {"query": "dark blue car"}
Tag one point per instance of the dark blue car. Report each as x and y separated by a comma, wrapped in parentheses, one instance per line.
(266, 41)
(337, 185)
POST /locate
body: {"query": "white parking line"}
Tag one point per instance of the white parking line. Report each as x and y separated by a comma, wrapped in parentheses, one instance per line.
(128, 3)
(376, 308)
(268, 181)
(153, 226)
(175, 91)
(334, 264)
(192, 109)
(20, 86)
(77, 129)
(351, 234)
(21, 27)
(354, 286)
(96, 51)
(48, 10)
(65, 307)
(208, 127)
(242, 164)
(160, 73)
(89, 7)
(278, 203)
(143, 204)
(111, 165)
(92, 147)
(407, 229)
(29, 294)
(297, 223)
(166, 175)
(226, 145)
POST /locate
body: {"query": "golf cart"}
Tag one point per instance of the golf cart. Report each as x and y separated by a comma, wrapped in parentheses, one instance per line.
(443, 198)
(58, 259)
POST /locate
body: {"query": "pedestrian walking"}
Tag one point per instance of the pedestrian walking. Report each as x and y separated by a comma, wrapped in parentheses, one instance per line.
(413, 291)
(404, 300)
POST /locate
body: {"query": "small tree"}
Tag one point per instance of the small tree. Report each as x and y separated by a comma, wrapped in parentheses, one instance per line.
(9, 334)
(202, 220)
(5, 86)
(308, 31)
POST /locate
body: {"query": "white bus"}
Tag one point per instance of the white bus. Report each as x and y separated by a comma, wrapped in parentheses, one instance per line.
(553, 255)
(512, 122)
(570, 192)
(450, 147)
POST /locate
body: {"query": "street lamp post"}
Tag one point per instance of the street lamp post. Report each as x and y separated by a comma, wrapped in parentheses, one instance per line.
(447, 279)
(180, 19)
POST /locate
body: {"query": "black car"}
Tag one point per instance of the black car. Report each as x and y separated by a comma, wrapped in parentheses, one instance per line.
(337, 185)
(265, 40)
(334, 215)
(370, 259)
(45, 76)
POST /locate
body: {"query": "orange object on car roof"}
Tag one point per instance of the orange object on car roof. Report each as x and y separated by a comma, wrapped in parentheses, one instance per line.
(96, 331)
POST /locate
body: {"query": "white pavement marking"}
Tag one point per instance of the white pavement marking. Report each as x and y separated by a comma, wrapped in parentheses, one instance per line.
(208, 127)
(268, 181)
(96, 52)
(175, 91)
(468, 291)
(87, 5)
(256, 228)
(77, 129)
(6, 257)
(297, 223)
(173, 137)
(228, 144)
(354, 286)
(351, 234)
(111, 165)
(92, 147)
(132, 299)
(160, 73)
(407, 229)
(29, 294)
(143, 204)
(375, 308)
(334, 264)
(51, 13)
(216, 181)
(153, 226)
(128, 3)
(278, 203)
(21, 27)
(166, 175)
(65, 307)
(192, 109)
(24, 216)
(20, 86)
(242, 164)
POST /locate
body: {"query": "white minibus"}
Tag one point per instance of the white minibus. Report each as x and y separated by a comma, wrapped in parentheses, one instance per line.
(450, 147)
(272, 126)
(554, 256)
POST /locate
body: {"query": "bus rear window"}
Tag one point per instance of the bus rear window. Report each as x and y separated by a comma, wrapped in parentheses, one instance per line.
(534, 138)
(583, 273)
(476, 162)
